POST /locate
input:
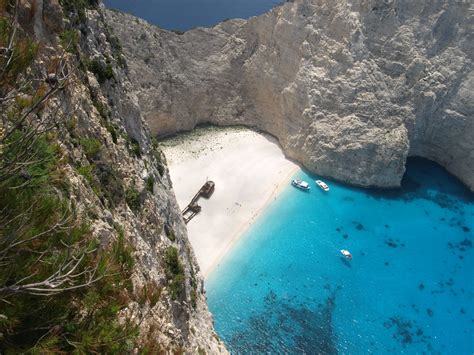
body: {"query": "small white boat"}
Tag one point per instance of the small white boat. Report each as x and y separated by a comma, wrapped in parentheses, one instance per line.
(303, 185)
(322, 185)
(346, 254)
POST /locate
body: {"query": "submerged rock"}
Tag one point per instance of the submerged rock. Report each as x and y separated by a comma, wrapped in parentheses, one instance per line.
(283, 327)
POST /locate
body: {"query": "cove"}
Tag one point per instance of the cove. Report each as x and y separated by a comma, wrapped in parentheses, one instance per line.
(284, 287)
(184, 15)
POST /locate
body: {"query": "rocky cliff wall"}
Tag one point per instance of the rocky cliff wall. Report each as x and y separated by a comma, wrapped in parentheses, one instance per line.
(349, 87)
(118, 181)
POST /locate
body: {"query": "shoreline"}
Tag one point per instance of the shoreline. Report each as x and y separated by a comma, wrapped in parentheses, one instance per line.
(249, 170)
(241, 231)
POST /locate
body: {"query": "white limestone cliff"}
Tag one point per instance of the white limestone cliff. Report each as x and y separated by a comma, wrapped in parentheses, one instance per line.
(349, 87)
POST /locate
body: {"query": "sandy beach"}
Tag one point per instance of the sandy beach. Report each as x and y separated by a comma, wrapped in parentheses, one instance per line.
(248, 169)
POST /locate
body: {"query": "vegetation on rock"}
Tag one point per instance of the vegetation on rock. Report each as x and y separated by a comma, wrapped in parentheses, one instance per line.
(150, 183)
(61, 288)
(174, 272)
(132, 196)
(91, 147)
(76, 9)
(103, 71)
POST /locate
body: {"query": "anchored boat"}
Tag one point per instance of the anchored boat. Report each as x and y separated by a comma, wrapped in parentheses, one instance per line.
(300, 184)
(322, 185)
(346, 254)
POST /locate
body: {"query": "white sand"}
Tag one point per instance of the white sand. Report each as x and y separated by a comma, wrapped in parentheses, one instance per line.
(248, 168)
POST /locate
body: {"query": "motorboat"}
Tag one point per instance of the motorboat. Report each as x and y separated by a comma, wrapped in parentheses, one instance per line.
(300, 184)
(322, 185)
(346, 253)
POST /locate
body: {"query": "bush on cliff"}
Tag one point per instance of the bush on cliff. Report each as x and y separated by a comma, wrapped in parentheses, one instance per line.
(102, 71)
(91, 147)
(174, 272)
(61, 289)
(132, 196)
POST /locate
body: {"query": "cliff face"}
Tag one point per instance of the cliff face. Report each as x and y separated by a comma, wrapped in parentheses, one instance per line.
(117, 181)
(350, 88)
(176, 323)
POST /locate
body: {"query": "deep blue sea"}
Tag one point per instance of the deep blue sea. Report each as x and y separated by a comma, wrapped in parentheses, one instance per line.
(409, 288)
(186, 14)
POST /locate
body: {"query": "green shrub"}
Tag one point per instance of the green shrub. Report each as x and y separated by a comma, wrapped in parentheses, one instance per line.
(161, 169)
(69, 40)
(111, 185)
(44, 167)
(103, 110)
(176, 286)
(132, 197)
(82, 320)
(115, 44)
(122, 252)
(88, 172)
(104, 182)
(134, 147)
(24, 52)
(117, 50)
(169, 232)
(150, 183)
(76, 9)
(113, 132)
(71, 126)
(91, 147)
(174, 272)
(173, 265)
(102, 71)
(193, 298)
(151, 293)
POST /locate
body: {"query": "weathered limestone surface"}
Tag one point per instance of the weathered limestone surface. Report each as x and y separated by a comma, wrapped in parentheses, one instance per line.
(108, 112)
(349, 87)
(178, 325)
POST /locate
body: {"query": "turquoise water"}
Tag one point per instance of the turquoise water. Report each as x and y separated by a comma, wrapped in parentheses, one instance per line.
(186, 14)
(409, 289)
